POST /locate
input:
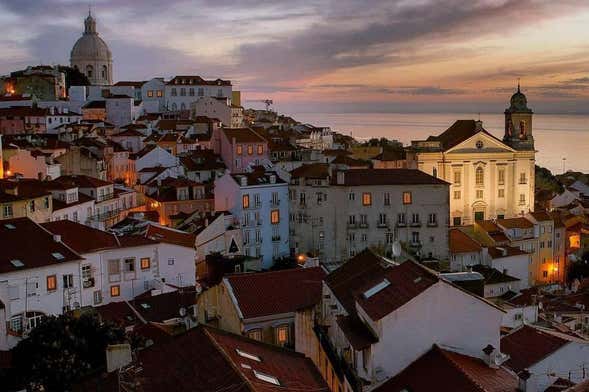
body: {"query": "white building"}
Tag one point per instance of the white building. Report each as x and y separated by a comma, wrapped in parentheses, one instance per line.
(490, 178)
(181, 91)
(337, 215)
(153, 95)
(259, 200)
(219, 108)
(382, 316)
(220, 235)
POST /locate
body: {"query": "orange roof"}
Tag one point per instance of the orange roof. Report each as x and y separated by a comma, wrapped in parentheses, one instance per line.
(460, 242)
(515, 223)
(171, 236)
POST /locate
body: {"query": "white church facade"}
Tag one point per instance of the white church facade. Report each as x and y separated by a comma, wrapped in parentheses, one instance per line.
(490, 178)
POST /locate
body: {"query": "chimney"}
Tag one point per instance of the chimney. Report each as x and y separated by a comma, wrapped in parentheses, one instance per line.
(341, 177)
(118, 356)
(489, 356)
(56, 238)
(524, 385)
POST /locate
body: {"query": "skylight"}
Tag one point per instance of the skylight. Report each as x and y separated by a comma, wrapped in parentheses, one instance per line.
(266, 377)
(375, 289)
(9, 226)
(57, 256)
(17, 263)
(145, 305)
(248, 355)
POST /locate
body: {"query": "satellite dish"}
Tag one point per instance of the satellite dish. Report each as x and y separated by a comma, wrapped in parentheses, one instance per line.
(182, 312)
(396, 249)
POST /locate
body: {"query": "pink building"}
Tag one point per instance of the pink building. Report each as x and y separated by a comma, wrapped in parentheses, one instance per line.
(240, 147)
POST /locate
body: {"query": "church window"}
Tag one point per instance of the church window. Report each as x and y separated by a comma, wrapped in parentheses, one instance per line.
(182, 106)
(89, 70)
(456, 195)
(104, 72)
(479, 193)
(522, 199)
(191, 92)
(501, 193)
(522, 178)
(457, 178)
(480, 176)
(174, 92)
(501, 176)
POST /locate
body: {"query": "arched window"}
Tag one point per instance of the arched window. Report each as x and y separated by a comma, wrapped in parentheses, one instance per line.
(174, 106)
(89, 70)
(182, 106)
(480, 176)
(104, 72)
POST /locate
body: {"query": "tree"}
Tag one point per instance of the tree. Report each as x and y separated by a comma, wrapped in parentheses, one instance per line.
(73, 77)
(63, 349)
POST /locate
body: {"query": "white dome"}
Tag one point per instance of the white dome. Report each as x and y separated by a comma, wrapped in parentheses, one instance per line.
(90, 47)
(91, 55)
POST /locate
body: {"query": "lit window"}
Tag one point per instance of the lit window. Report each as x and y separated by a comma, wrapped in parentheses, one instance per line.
(282, 334)
(51, 283)
(479, 176)
(275, 217)
(407, 199)
(150, 93)
(260, 149)
(250, 150)
(239, 149)
(115, 291)
(246, 201)
(159, 93)
(145, 263)
(366, 199)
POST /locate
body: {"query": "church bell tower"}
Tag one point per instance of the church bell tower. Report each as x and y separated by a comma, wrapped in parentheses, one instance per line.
(518, 122)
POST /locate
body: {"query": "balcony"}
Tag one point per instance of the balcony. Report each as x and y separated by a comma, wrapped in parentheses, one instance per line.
(105, 197)
(401, 224)
(274, 203)
(382, 225)
(363, 225)
(105, 216)
(432, 224)
(352, 225)
(416, 224)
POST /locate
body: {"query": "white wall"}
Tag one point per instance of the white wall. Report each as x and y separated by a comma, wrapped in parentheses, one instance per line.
(572, 357)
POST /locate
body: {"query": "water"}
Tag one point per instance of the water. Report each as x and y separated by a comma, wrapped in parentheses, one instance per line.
(556, 136)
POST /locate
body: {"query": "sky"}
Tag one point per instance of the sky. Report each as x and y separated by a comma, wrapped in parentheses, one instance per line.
(340, 55)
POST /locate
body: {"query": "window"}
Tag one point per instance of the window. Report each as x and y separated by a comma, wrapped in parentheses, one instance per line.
(479, 176)
(382, 219)
(275, 217)
(366, 199)
(245, 200)
(457, 221)
(544, 274)
(115, 290)
(89, 71)
(435, 172)
(129, 265)
(266, 377)
(182, 92)
(97, 297)
(104, 72)
(522, 178)
(32, 206)
(86, 272)
(114, 267)
(407, 199)
(351, 196)
(456, 195)
(479, 194)
(522, 199)
(415, 218)
(239, 149)
(282, 334)
(302, 198)
(457, 178)
(159, 93)
(432, 219)
(501, 177)
(250, 150)
(191, 92)
(352, 219)
(46, 202)
(51, 283)
(387, 199)
(389, 238)
(255, 334)
(260, 149)
(201, 92)
(171, 261)
(501, 193)
(68, 281)
(150, 93)
(8, 211)
(415, 237)
(257, 200)
(401, 219)
(364, 220)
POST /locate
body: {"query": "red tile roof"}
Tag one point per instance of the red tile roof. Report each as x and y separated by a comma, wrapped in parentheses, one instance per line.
(529, 345)
(170, 236)
(363, 177)
(312, 170)
(505, 251)
(197, 80)
(243, 135)
(268, 293)
(460, 242)
(440, 369)
(24, 240)
(81, 181)
(515, 223)
(85, 239)
(206, 359)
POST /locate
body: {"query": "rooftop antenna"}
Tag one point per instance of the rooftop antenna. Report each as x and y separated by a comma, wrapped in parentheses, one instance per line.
(518, 81)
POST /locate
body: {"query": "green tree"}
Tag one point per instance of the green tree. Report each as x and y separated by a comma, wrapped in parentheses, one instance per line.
(63, 349)
(73, 77)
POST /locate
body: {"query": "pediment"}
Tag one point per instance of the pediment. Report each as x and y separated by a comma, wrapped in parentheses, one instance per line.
(481, 142)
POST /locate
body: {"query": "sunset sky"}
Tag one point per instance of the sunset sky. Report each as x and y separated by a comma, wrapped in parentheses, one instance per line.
(370, 55)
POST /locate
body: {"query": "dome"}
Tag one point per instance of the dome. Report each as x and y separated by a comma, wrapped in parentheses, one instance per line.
(90, 46)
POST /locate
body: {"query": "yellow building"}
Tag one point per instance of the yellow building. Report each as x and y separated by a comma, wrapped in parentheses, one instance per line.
(34, 204)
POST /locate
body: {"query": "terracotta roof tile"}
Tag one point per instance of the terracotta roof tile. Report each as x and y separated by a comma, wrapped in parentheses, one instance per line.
(312, 170)
(285, 291)
(361, 177)
(529, 345)
(453, 371)
(460, 242)
(171, 236)
(243, 135)
(515, 223)
(23, 240)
